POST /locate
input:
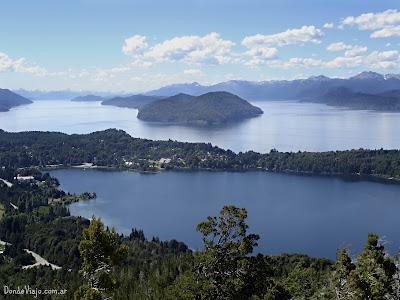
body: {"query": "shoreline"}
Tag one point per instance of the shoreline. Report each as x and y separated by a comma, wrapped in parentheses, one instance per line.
(353, 177)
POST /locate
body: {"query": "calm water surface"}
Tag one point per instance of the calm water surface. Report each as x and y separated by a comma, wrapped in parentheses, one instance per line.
(292, 213)
(286, 126)
(312, 215)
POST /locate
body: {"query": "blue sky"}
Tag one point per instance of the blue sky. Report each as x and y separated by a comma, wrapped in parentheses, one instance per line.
(128, 45)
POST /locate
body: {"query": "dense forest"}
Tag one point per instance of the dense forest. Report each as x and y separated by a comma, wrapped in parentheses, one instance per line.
(116, 149)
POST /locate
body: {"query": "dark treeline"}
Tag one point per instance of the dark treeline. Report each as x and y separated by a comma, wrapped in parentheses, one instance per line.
(115, 148)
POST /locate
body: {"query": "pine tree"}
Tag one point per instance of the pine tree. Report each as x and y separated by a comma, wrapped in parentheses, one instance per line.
(374, 271)
(343, 276)
(101, 251)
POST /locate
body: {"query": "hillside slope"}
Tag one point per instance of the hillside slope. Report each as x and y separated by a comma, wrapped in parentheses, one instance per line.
(10, 99)
(134, 101)
(213, 108)
(344, 97)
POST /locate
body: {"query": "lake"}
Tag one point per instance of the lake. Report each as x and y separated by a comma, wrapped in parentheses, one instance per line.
(310, 215)
(313, 215)
(285, 126)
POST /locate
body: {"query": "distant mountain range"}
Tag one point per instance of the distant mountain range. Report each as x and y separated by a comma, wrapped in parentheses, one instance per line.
(366, 90)
(214, 108)
(59, 95)
(134, 101)
(9, 99)
(365, 82)
(310, 88)
(88, 98)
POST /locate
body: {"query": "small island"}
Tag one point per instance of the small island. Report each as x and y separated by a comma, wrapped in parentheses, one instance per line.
(9, 99)
(87, 98)
(134, 101)
(210, 109)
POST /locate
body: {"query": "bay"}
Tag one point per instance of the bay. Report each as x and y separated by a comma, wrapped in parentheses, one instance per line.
(295, 214)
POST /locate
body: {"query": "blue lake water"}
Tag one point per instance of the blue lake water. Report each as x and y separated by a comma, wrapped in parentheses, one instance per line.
(286, 126)
(313, 215)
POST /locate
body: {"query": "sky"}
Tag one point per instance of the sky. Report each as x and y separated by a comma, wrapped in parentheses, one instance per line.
(139, 45)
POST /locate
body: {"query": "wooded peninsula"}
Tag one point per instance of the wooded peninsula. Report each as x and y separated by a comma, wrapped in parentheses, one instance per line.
(116, 149)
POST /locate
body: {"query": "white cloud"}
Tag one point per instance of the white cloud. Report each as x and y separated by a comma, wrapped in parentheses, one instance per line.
(339, 46)
(384, 59)
(305, 34)
(141, 62)
(303, 62)
(374, 21)
(345, 62)
(120, 69)
(351, 50)
(134, 45)
(20, 65)
(384, 24)
(387, 32)
(328, 25)
(261, 50)
(209, 49)
(355, 50)
(259, 55)
(374, 60)
(7, 63)
(295, 62)
(193, 72)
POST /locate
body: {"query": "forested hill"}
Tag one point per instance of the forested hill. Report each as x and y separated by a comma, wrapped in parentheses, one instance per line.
(115, 148)
(10, 99)
(386, 101)
(213, 108)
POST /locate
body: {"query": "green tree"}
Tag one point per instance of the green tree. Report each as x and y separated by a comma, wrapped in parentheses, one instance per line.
(396, 278)
(101, 251)
(276, 292)
(220, 270)
(375, 270)
(343, 276)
